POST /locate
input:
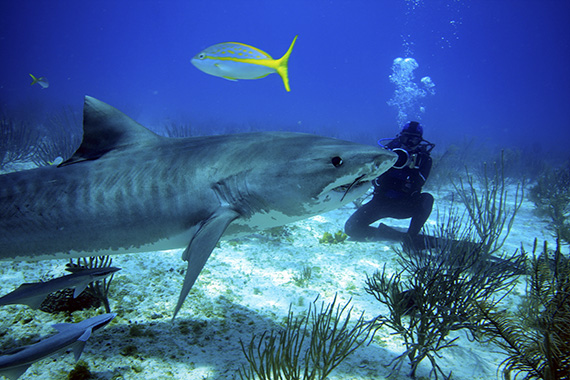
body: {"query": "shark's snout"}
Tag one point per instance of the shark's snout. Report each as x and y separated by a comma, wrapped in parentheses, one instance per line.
(373, 164)
(383, 161)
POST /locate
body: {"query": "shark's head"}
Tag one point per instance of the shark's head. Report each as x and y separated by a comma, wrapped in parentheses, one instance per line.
(93, 323)
(300, 175)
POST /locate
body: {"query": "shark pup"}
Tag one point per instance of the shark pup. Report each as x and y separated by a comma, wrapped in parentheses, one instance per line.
(127, 189)
(71, 335)
(33, 294)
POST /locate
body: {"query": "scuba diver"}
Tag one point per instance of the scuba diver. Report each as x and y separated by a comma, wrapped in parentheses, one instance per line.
(398, 192)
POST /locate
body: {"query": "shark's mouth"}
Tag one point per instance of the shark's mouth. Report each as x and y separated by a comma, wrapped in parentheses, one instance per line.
(346, 188)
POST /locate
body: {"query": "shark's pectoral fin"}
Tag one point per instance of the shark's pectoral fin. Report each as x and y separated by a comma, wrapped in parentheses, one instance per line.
(80, 288)
(16, 298)
(201, 246)
(79, 345)
(35, 302)
(15, 372)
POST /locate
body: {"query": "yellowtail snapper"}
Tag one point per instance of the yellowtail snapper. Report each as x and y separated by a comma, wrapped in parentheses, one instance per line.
(234, 60)
(42, 81)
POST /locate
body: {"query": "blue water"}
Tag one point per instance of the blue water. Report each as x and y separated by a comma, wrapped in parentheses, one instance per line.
(498, 68)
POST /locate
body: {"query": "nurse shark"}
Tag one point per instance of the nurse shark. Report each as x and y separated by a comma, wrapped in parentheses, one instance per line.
(127, 189)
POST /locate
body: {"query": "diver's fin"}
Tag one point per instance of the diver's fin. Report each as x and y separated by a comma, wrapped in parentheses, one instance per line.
(201, 246)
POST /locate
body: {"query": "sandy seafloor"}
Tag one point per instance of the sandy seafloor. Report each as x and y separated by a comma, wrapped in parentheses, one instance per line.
(245, 288)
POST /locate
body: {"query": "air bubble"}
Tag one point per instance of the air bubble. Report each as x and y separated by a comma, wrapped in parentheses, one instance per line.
(408, 93)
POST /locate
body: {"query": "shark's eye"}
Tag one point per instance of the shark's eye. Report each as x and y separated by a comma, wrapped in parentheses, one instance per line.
(201, 55)
(336, 161)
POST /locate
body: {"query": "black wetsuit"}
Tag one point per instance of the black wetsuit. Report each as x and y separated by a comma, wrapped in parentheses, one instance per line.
(397, 194)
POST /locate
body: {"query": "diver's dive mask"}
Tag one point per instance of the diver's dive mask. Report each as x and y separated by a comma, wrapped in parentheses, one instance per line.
(410, 140)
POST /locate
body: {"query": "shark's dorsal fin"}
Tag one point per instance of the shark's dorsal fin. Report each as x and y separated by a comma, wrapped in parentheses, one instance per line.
(105, 128)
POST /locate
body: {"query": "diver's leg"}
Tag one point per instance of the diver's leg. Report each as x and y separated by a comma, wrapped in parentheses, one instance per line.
(358, 225)
(422, 213)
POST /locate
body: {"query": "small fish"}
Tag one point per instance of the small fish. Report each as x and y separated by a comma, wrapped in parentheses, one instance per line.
(234, 60)
(35, 293)
(74, 335)
(42, 81)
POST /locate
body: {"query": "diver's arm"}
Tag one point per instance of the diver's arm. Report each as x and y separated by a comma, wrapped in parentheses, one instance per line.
(425, 168)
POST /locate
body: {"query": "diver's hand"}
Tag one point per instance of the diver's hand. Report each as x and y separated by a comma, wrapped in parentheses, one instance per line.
(403, 158)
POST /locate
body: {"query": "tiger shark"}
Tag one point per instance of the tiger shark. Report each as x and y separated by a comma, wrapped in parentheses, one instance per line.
(127, 189)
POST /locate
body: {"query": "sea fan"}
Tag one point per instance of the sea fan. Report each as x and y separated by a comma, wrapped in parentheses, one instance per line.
(537, 338)
(436, 291)
(287, 355)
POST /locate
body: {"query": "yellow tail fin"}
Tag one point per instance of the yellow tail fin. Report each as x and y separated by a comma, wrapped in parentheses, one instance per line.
(34, 80)
(282, 68)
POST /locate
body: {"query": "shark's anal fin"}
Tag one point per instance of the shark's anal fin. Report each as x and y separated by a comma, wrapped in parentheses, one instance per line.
(201, 246)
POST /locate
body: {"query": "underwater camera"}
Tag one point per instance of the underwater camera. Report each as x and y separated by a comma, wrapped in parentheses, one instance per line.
(405, 159)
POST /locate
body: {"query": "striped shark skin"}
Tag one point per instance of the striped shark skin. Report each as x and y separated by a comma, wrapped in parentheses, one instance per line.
(71, 335)
(127, 189)
(33, 294)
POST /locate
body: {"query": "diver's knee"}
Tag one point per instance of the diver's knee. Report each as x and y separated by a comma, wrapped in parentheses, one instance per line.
(427, 201)
(350, 227)
(353, 225)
